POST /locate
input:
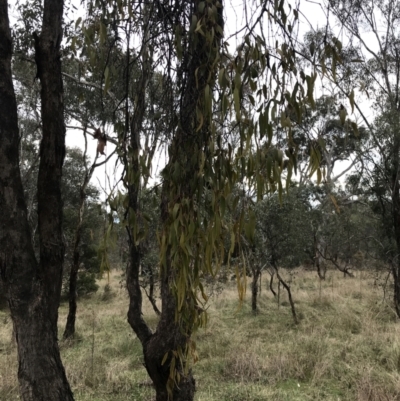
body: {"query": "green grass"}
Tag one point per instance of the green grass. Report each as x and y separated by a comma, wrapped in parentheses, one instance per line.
(346, 347)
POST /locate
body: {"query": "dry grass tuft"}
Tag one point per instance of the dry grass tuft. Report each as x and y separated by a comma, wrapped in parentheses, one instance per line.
(371, 387)
(244, 365)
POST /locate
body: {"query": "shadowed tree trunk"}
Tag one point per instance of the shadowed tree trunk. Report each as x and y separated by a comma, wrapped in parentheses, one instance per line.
(179, 183)
(289, 292)
(33, 289)
(73, 276)
(254, 287)
(271, 281)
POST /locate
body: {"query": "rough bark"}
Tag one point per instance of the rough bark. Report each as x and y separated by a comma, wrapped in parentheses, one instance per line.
(32, 288)
(52, 153)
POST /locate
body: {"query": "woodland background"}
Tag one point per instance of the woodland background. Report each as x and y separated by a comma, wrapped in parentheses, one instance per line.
(269, 168)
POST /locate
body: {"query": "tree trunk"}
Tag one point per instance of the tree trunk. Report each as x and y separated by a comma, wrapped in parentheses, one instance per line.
(72, 305)
(167, 348)
(254, 288)
(73, 276)
(271, 281)
(168, 337)
(33, 289)
(396, 221)
(150, 294)
(287, 288)
(321, 267)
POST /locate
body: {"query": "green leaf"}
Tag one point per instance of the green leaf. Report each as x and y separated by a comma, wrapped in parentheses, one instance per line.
(222, 78)
(250, 226)
(312, 48)
(351, 98)
(354, 126)
(193, 24)
(175, 211)
(78, 21)
(207, 99)
(337, 43)
(236, 98)
(92, 56)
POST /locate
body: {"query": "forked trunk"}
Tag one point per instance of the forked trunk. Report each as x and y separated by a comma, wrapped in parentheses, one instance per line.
(159, 374)
(166, 348)
(168, 337)
(33, 289)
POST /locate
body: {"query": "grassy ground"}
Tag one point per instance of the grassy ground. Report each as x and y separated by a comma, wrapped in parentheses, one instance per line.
(346, 347)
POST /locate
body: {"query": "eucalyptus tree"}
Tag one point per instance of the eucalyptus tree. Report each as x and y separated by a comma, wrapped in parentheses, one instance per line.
(372, 29)
(82, 106)
(374, 185)
(334, 140)
(208, 94)
(79, 197)
(284, 233)
(33, 286)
